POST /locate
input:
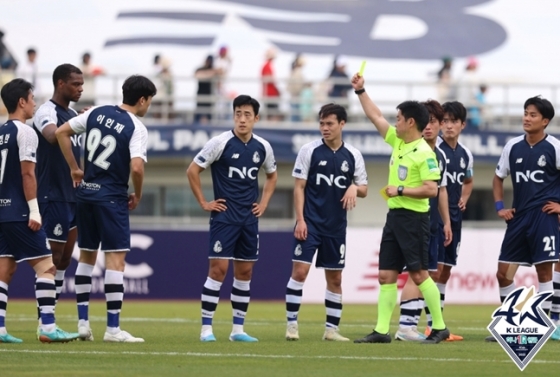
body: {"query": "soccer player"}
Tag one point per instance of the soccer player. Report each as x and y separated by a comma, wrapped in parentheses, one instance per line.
(459, 188)
(55, 190)
(329, 175)
(115, 148)
(413, 176)
(412, 301)
(235, 158)
(21, 235)
(531, 238)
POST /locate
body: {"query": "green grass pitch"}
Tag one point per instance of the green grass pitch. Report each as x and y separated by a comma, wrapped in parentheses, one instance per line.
(172, 348)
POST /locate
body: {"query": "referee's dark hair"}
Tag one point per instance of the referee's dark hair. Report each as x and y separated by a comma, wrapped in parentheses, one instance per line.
(416, 111)
(136, 87)
(13, 91)
(456, 110)
(543, 105)
(333, 109)
(63, 72)
(243, 100)
(434, 109)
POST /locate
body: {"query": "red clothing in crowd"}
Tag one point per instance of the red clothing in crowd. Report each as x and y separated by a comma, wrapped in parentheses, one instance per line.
(269, 87)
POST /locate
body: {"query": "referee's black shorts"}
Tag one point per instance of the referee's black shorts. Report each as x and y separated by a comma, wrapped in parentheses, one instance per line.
(405, 241)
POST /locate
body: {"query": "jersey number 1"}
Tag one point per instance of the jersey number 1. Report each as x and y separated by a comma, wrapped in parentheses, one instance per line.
(93, 141)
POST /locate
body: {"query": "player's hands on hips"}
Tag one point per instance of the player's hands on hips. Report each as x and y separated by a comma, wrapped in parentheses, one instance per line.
(462, 205)
(215, 205)
(349, 198)
(133, 201)
(34, 225)
(551, 207)
(300, 232)
(506, 214)
(357, 82)
(447, 235)
(77, 176)
(258, 209)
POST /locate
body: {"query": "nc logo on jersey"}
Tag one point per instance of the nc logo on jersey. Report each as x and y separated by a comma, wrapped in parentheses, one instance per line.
(542, 161)
(520, 325)
(57, 230)
(298, 251)
(462, 163)
(402, 172)
(256, 158)
(344, 168)
(217, 247)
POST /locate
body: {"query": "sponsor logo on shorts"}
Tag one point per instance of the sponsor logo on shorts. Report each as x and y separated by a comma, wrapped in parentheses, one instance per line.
(90, 186)
(218, 247)
(57, 230)
(298, 251)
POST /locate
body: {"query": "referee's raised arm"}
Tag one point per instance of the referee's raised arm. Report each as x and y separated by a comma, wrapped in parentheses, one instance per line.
(370, 109)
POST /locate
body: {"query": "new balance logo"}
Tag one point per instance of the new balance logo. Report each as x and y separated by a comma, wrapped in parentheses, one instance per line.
(323, 163)
(519, 160)
(235, 156)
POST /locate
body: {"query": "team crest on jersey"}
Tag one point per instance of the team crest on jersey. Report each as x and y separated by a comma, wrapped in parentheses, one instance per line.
(256, 158)
(520, 325)
(218, 247)
(57, 230)
(402, 172)
(298, 251)
(542, 161)
(344, 166)
(462, 163)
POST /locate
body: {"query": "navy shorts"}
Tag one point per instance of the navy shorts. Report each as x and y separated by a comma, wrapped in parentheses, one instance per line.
(331, 251)
(58, 219)
(448, 254)
(531, 238)
(104, 223)
(232, 241)
(21, 243)
(436, 244)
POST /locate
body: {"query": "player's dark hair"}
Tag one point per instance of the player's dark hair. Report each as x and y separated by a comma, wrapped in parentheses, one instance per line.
(243, 100)
(63, 72)
(31, 51)
(13, 91)
(136, 87)
(416, 111)
(434, 109)
(543, 106)
(333, 109)
(456, 110)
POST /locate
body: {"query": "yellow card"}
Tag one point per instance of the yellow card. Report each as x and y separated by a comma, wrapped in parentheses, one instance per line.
(362, 68)
(383, 193)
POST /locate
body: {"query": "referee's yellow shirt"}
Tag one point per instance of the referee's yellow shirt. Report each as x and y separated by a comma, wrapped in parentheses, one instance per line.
(410, 165)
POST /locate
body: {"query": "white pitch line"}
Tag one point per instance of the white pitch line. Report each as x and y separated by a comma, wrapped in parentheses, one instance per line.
(245, 355)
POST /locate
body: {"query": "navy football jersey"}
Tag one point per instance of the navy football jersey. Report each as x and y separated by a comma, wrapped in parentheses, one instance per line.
(459, 167)
(113, 137)
(328, 174)
(18, 142)
(235, 168)
(435, 217)
(53, 181)
(534, 172)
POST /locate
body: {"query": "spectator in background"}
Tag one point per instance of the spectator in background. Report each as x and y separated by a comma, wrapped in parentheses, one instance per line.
(444, 80)
(295, 87)
(271, 94)
(306, 106)
(340, 79)
(478, 113)
(157, 65)
(89, 72)
(222, 64)
(206, 76)
(468, 83)
(7, 61)
(162, 106)
(29, 71)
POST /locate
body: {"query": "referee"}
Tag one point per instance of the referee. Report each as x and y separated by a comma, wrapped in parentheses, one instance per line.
(413, 176)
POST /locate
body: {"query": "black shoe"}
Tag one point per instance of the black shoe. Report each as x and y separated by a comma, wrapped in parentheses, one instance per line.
(490, 339)
(436, 336)
(374, 337)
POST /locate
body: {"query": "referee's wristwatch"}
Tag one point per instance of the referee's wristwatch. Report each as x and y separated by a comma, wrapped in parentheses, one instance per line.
(400, 190)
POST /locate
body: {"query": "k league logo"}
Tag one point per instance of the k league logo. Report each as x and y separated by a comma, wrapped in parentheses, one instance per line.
(520, 325)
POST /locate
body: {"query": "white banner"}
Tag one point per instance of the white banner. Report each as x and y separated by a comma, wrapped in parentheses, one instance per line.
(473, 281)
